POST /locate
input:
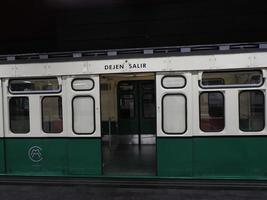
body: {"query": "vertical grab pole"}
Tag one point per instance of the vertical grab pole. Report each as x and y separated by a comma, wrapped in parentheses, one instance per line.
(109, 132)
(140, 107)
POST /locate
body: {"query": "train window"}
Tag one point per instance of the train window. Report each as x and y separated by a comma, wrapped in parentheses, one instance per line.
(127, 106)
(149, 105)
(52, 114)
(232, 79)
(251, 110)
(148, 86)
(19, 114)
(83, 115)
(82, 84)
(211, 111)
(171, 82)
(34, 85)
(174, 114)
(126, 86)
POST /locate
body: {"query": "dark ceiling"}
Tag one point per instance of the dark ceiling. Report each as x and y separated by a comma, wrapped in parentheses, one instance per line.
(66, 25)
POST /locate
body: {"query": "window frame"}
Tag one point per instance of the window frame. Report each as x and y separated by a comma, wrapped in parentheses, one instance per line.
(10, 129)
(264, 112)
(94, 114)
(167, 76)
(199, 117)
(37, 91)
(121, 93)
(134, 103)
(143, 110)
(75, 79)
(125, 91)
(162, 114)
(42, 114)
(233, 85)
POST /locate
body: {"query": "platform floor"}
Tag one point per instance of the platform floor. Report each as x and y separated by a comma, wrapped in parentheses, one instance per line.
(85, 192)
(129, 159)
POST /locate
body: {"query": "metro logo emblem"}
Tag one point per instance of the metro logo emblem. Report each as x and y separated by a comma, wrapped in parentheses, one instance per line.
(35, 154)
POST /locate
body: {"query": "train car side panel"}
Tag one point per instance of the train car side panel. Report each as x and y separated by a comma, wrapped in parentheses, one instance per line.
(85, 156)
(36, 156)
(174, 157)
(230, 157)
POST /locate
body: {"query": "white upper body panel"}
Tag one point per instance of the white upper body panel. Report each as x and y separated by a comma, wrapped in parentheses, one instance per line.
(135, 65)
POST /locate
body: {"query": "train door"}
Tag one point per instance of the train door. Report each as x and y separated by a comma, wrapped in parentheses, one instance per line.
(147, 107)
(128, 114)
(136, 107)
(84, 149)
(174, 124)
(132, 149)
(2, 150)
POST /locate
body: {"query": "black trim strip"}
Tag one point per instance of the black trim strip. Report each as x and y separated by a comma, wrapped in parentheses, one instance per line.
(158, 137)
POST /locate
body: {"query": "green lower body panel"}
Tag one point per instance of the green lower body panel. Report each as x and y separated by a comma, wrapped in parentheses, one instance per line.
(213, 157)
(36, 156)
(174, 157)
(197, 157)
(52, 156)
(2, 156)
(230, 157)
(85, 156)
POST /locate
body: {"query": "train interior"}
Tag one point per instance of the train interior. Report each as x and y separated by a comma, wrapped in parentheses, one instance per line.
(128, 121)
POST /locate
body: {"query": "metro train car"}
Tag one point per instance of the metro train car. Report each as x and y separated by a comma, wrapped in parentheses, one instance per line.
(158, 114)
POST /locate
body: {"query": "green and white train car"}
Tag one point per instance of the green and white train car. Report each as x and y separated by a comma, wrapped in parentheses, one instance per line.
(189, 115)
